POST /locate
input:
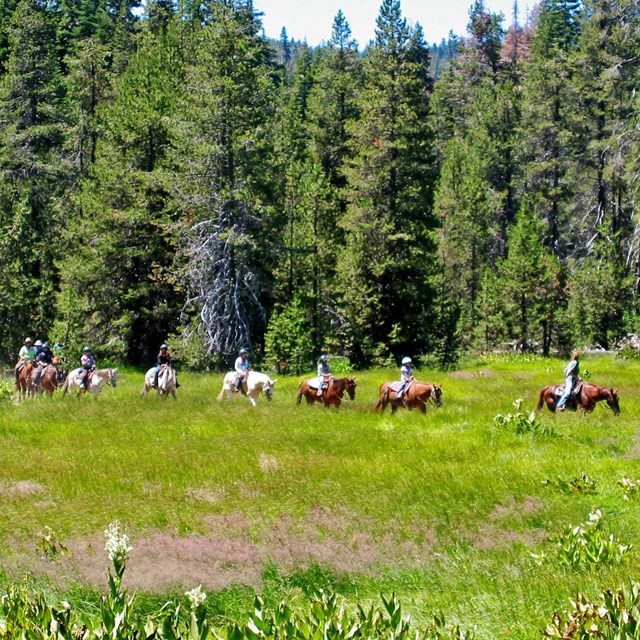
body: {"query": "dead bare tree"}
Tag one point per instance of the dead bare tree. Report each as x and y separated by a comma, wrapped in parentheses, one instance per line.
(225, 282)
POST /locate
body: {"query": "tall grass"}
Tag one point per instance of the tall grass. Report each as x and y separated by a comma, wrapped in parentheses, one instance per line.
(445, 508)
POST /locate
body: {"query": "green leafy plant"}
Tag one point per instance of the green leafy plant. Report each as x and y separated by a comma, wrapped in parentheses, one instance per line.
(580, 484)
(6, 394)
(586, 544)
(520, 423)
(49, 545)
(614, 615)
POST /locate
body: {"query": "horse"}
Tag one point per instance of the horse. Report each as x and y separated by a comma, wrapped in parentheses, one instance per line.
(95, 384)
(23, 386)
(585, 399)
(51, 377)
(332, 396)
(255, 383)
(166, 381)
(416, 395)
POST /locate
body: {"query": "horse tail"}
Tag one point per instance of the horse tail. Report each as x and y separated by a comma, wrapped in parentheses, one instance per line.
(65, 386)
(383, 400)
(299, 398)
(221, 394)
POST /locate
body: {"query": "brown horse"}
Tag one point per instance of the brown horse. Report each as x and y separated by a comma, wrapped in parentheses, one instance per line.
(332, 396)
(586, 399)
(23, 385)
(416, 395)
(51, 378)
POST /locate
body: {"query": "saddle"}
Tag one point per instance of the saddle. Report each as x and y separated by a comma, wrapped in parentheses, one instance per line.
(395, 386)
(314, 383)
(575, 392)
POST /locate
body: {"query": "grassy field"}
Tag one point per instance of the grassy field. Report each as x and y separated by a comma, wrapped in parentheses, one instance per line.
(445, 508)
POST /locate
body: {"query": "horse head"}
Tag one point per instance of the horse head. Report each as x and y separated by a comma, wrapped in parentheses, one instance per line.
(436, 395)
(267, 388)
(351, 388)
(613, 401)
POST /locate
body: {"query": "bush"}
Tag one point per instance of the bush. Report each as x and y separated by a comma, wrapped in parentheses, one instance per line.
(6, 393)
(520, 423)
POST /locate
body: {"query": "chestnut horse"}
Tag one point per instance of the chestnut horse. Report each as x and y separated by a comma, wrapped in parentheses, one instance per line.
(51, 378)
(416, 395)
(331, 396)
(587, 397)
(23, 381)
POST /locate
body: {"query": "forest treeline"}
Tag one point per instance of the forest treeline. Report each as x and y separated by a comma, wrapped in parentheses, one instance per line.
(170, 174)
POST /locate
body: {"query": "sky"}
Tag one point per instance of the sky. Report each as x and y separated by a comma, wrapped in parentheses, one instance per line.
(312, 19)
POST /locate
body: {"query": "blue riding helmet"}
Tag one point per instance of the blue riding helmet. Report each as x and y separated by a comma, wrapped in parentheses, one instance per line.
(324, 358)
(164, 346)
(86, 350)
(243, 352)
(45, 345)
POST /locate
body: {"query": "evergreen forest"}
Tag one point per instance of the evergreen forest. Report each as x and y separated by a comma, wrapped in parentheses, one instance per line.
(169, 173)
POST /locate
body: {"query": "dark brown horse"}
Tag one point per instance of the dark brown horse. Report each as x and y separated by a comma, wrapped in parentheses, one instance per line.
(586, 399)
(416, 395)
(52, 376)
(332, 395)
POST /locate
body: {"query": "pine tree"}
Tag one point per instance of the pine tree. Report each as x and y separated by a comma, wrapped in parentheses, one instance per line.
(120, 288)
(386, 268)
(34, 173)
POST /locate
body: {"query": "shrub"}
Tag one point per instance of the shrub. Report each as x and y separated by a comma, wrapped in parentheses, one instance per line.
(6, 394)
(586, 544)
(614, 615)
(581, 484)
(520, 423)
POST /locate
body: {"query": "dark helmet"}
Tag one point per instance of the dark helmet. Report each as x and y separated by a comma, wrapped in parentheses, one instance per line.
(164, 346)
(324, 358)
(86, 349)
(244, 352)
(45, 345)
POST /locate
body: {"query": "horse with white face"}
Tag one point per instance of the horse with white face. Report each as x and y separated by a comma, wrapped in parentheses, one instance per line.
(95, 384)
(255, 384)
(166, 381)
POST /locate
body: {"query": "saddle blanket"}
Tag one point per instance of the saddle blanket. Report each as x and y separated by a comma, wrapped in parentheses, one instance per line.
(395, 386)
(314, 383)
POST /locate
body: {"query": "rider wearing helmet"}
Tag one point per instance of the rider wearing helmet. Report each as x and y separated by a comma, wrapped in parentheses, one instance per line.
(38, 347)
(406, 374)
(324, 374)
(88, 364)
(43, 359)
(26, 354)
(242, 368)
(164, 357)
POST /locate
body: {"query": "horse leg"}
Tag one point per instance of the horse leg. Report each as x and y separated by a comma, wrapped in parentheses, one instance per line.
(252, 400)
(423, 408)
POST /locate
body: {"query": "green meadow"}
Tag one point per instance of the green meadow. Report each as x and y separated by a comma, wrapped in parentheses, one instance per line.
(448, 510)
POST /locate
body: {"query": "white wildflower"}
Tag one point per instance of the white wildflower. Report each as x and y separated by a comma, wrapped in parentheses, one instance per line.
(117, 545)
(196, 596)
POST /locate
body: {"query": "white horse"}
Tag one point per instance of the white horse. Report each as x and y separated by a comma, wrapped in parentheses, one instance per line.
(96, 382)
(256, 382)
(166, 382)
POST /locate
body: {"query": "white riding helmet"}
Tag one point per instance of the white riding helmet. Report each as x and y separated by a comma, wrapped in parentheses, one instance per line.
(406, 360)
(38, 343)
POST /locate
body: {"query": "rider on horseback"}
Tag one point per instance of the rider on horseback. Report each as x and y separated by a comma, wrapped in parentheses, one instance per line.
(242, 368)
(406, 374)
(88, 363)
(571, 372)
(43, 359)
(26, 354)
(324, 374)
(164, 357)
